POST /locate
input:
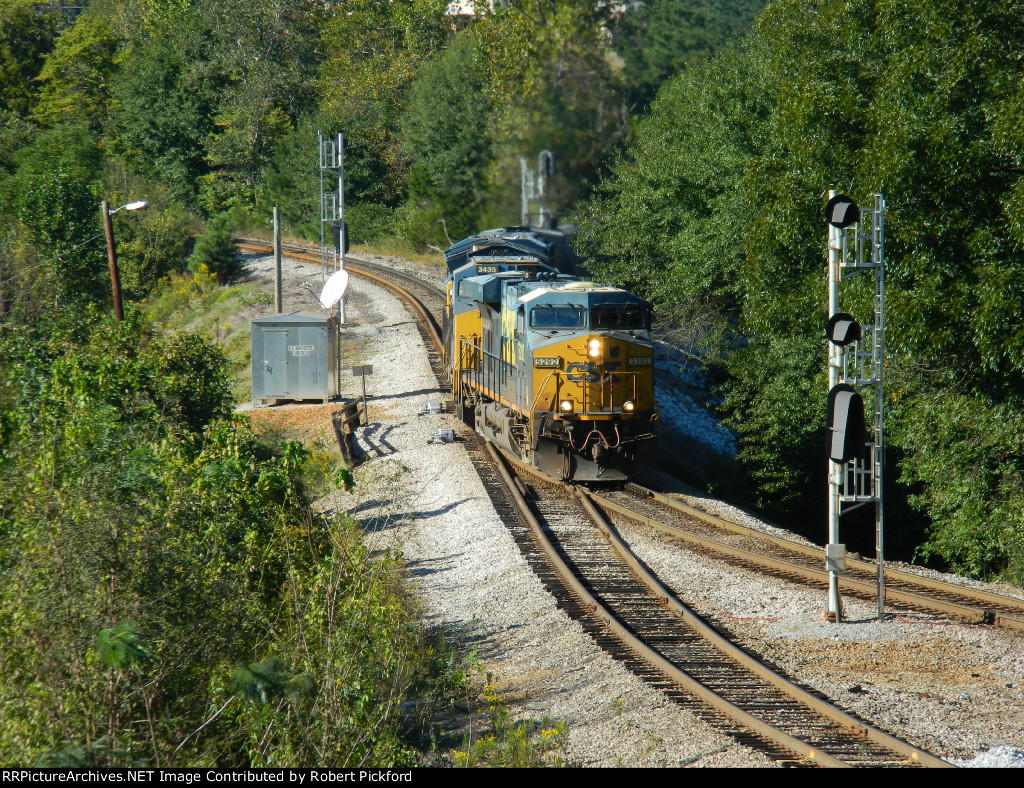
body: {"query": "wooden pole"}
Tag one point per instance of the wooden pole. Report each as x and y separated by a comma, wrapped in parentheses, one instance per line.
(278, 299)
(115, 281)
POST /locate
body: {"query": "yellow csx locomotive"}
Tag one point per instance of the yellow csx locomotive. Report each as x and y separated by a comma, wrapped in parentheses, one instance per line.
(557, 370)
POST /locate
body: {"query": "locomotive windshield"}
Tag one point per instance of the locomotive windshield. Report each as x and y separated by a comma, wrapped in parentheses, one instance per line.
(558, 317)
(624, 317)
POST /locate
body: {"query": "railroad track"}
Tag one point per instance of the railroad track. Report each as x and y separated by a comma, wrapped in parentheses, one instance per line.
(597, 579)
(713, 535)
(647, 628)
(804, 563)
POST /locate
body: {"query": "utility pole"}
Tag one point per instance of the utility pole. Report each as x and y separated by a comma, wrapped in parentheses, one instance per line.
(278, 300)
(115, 280)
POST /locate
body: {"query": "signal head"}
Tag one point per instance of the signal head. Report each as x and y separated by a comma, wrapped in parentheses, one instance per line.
(842, 329)
(841, 212)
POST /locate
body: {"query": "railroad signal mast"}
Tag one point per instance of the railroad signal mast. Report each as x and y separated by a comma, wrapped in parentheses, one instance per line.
(332, 203)
(856, 246)
(533, 185)
(332, 216)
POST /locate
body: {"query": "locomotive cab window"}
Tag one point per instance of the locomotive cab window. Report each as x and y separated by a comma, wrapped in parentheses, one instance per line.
(558, 317)
(624, 317)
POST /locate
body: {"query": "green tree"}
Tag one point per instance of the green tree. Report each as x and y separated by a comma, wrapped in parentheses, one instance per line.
(59, 234)
(719, 200)
(77, 76)
(663, 37)
(170, 598)
(164, 104)
(553, 86)
(445, 135)
(27, 34)
(206, 90)
(268, 51)
(291, 181)
(216, 250)
(373, 52)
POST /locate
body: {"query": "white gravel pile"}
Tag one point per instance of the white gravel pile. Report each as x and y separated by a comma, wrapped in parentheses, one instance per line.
(996, 758)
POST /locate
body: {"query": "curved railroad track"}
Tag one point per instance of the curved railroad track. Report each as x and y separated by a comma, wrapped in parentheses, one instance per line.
(714, 535)
(597, 579)
(645, 626)
(804, 563)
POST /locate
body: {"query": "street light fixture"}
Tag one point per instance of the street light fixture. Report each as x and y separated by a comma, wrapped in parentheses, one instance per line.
(132, 206)
(108, 230)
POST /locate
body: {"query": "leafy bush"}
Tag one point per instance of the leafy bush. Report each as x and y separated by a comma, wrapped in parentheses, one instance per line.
(368, 222)
(968, 463)
(170, 598)
(718, 200)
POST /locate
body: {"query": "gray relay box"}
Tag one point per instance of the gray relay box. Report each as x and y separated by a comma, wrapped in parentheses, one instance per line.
(294, 356)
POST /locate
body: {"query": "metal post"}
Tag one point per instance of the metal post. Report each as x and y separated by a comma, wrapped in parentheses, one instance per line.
(366, 412)
(341, 195)
(341, 218)
(278, 300)
(320, 154)
(834, 610)
(525, 209)
(878, 258)
(115, 280)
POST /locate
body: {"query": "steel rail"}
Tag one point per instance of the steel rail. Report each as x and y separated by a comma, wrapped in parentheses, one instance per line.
(666, 598)
(641, 649)
(973, 614)
(827, 710)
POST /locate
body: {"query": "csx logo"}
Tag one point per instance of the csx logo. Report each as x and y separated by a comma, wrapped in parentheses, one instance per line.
(579, 371)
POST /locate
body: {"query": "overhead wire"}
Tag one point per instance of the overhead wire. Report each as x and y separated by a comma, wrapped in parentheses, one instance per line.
(23, 271)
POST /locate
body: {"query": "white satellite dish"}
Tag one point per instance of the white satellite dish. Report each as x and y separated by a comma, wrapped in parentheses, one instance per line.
(334, 289)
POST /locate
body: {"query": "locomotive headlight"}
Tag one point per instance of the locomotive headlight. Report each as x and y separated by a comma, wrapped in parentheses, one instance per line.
(595, 348)
(566, 406)
(629, 406)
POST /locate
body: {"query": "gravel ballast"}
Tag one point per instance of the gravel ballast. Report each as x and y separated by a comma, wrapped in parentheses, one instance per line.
(952, 689)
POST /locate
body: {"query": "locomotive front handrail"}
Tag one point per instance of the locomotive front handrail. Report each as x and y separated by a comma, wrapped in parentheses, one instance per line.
(561, 378)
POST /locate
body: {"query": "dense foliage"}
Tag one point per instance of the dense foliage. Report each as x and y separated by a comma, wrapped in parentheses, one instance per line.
(718, 202)
(169, 597)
